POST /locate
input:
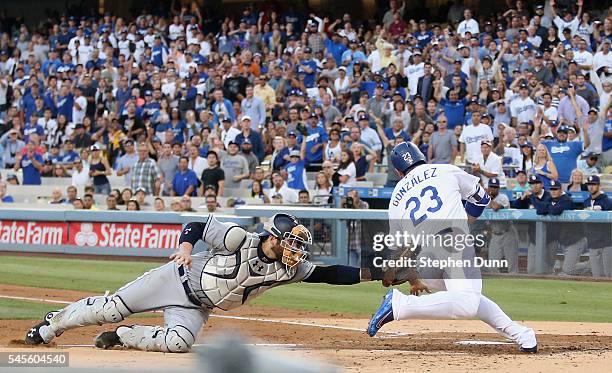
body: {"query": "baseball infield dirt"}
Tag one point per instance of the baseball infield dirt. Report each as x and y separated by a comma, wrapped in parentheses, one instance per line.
(419, 345)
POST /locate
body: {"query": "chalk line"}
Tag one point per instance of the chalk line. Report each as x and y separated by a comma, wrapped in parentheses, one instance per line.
(242, 318)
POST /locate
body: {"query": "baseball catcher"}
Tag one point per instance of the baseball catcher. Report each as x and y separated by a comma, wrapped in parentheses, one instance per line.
(238, 266)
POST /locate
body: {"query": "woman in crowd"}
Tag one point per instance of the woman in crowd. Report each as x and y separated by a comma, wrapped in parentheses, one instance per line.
(278, 160)
(577, 183)
(322, 192)
(126, 195)
(527, 153)
(99, 169)
(544, 166)
(363, 160)
(343, 81)
(59, 171)
(399, 111)
(257, 192)
(133, 205)
(347, 171)
(333, 148)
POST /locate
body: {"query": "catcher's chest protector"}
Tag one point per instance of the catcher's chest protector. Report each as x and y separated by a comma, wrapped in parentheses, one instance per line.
(228, 281)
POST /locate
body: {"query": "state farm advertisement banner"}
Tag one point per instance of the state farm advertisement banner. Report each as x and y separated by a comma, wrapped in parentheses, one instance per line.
(34, 232)
(125, 235)
(103, 238)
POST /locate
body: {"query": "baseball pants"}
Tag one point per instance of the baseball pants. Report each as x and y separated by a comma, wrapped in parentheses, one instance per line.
(158, 289)
(571, 258)
(459, 296)
(505, 246)
(600, 261)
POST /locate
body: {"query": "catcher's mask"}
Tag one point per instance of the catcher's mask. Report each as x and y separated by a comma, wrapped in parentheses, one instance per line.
(294, 239)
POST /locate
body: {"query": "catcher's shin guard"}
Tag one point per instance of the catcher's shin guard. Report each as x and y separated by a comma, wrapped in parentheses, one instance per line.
(87, 311)
(156, 338)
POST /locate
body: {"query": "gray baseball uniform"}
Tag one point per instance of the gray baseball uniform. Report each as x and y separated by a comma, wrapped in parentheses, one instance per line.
(504, 239)
(221, 277)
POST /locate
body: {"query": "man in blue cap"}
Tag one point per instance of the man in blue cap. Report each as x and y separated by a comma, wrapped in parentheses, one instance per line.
(535, 197)
(598, 235)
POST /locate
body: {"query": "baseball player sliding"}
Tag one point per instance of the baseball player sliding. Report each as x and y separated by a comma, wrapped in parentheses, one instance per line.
(439, 199)
(237, 267)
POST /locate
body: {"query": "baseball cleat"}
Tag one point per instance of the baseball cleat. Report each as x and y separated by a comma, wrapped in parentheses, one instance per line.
(529, 350)
(33, 336)
(383, 315)
(107, 340)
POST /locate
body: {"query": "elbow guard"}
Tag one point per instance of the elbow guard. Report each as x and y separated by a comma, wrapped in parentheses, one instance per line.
(192, 233)
(477, 202)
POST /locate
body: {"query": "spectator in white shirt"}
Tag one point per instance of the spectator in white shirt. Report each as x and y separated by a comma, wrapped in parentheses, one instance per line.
(471, 138)
(80, 174)
(346, 169)
(196, 163)
(280, 187)
(468, 24)
(229, 132)
(489, 165)
(522, 108)
(79, 107)
(602, 61)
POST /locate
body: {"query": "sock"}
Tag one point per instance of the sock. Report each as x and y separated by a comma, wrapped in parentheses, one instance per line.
(492, 314)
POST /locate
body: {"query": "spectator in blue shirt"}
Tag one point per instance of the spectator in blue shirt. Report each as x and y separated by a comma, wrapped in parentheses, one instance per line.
(308, 67)
(33, 127)
(185, 181)
(335, 47)
(423, 35)
(31, 163)
(222, 107)
(70, 155)
(454, 108)
(564, 153)
(315, 139)
(296, 171)
(254, 137)
(64, 102)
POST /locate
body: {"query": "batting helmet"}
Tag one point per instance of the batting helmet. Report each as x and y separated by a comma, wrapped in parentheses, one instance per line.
(405, 156)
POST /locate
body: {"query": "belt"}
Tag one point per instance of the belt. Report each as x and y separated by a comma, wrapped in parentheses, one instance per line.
(192, 297)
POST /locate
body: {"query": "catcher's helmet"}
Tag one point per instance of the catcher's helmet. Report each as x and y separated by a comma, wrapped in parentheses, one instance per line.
(294, 238)
(406, 156)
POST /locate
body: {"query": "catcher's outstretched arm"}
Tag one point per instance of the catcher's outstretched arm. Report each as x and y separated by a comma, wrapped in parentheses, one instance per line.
(338, 275)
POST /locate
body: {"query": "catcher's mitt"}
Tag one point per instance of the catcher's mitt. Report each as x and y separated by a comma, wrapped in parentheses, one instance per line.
(400, 274)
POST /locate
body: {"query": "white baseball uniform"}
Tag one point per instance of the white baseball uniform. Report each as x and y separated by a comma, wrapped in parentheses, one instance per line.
(429, 200)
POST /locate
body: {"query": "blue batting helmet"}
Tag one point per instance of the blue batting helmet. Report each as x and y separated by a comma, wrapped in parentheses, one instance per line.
(405, 156)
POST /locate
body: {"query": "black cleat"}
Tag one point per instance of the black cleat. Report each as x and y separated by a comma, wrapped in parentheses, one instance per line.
(107, 340)
(530, 350)
(33, 337)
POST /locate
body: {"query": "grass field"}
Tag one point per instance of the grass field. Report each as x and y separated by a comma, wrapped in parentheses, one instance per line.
(522, 299)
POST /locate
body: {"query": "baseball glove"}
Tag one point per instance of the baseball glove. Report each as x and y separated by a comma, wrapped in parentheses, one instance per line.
(400, 274)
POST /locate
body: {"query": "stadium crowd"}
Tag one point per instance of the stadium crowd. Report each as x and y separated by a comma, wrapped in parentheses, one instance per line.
(262, 100)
